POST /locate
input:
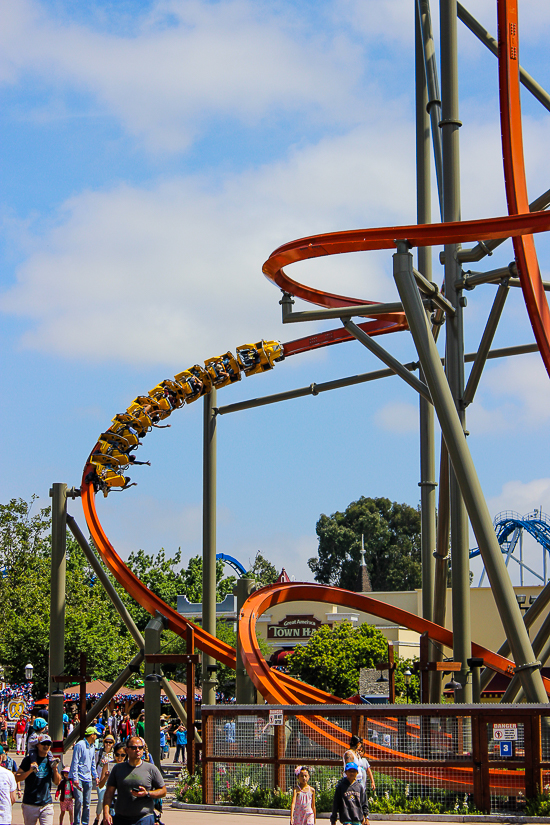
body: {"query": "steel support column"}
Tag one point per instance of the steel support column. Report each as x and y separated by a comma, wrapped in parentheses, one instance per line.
(450, 125)
(58, 495)
(152, 634)
(466, 476)
(427, 482)
(245, 690)
(209, 680)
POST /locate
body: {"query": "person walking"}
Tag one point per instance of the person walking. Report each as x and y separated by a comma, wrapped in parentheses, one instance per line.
(350, 803)
(140, 725)
(20, 731)
(125, 728)
(137, 785)
(8, 787)
(83, 773)
(181, 742)
(3, 729)
(38, 771)
(356, 754)
(66, 793)
(10, 764)
(104, 762)
(302, 807)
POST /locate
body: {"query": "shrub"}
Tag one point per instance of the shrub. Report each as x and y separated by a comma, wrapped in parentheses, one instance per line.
(188, 787)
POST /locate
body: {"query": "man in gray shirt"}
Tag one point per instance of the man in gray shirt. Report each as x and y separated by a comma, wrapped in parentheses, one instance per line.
(137, 784)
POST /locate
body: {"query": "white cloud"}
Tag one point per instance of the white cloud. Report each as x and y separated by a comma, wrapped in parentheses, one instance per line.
(398, 417)
(186, 62)
(174, 271)
(522, 497)
(514, 393)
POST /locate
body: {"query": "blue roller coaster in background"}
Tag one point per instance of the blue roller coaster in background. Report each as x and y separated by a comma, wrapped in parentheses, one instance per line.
(509, 527)
(232, 562)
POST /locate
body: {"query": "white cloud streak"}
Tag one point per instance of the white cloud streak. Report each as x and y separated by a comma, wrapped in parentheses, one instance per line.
(187, 62)
(144, 274)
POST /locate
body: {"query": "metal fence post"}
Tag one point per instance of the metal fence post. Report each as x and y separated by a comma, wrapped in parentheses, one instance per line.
(58, 495)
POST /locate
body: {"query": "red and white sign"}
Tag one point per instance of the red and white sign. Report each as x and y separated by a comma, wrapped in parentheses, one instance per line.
(507, 731)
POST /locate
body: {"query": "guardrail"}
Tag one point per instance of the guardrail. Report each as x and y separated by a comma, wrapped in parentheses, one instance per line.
(491, 758)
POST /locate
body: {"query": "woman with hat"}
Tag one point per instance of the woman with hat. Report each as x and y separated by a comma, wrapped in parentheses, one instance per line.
(104, 762)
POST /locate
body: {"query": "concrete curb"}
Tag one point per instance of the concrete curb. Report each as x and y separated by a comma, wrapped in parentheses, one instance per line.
(502, 818)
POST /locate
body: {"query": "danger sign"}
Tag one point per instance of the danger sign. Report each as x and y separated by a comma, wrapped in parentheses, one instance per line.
(507, 731)
(275, 717)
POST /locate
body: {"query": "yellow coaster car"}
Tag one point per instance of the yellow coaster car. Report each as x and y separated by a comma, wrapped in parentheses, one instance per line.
(152, 407)
(113, 461)
(141, 424)
(195, 382)
(170, 391)
(223, 370)
(115, 439)
(113, 479)
(259, 357)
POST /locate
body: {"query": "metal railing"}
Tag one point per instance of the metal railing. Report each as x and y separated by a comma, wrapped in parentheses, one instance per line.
(446, 753)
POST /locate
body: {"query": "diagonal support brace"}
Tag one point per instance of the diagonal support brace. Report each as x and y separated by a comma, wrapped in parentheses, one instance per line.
(390, 361)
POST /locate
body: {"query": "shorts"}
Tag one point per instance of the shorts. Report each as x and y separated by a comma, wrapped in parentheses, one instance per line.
(66, 805)
(33, 814)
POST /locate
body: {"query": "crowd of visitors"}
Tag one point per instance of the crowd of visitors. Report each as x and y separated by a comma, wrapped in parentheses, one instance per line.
(114, 742)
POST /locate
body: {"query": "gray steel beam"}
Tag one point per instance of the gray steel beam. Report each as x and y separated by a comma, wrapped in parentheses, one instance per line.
(427, 481)
(123, 612)
(450, 126)
(432, 290)
(432, 95)
(58, 495)
(529, 618)
(488, 40)
(362, 378)
(467, 478)
(541, 648)
(209, 680)
(106, 582)
(151, 703)
(483, 248)
(485, 344)
(245, 692)
(360, 310)
(374, 347)
(441, 556)
(104, 700)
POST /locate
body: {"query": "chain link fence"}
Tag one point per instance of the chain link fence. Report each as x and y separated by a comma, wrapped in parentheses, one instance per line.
(484, 758)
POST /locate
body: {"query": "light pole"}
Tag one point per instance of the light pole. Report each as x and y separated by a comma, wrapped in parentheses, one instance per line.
(407, 676)
(29, 670)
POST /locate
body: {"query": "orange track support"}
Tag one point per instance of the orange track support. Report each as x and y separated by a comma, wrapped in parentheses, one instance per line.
(514, 174)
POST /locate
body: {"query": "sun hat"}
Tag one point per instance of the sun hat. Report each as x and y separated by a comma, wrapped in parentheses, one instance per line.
(89, 731)
(351, 766)
(45, 740)
(109, 738)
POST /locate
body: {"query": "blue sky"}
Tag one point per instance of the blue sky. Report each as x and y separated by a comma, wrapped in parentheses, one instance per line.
(153, 154)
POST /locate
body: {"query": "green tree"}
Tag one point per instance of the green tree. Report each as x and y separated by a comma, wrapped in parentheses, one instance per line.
(391, 534)
(166, 578)
(92, 624)
(333, 656)
(263, 571)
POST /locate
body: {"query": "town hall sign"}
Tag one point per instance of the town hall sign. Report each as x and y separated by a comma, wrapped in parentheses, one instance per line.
(294, 627)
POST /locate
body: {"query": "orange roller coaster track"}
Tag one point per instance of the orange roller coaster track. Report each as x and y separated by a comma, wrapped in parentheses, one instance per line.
(520, 225)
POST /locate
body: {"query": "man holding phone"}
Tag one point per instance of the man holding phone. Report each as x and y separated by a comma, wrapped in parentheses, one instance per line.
(137, 785)
(38, 770)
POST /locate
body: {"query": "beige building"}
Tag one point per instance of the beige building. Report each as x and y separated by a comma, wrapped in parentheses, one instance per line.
(289, 624)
